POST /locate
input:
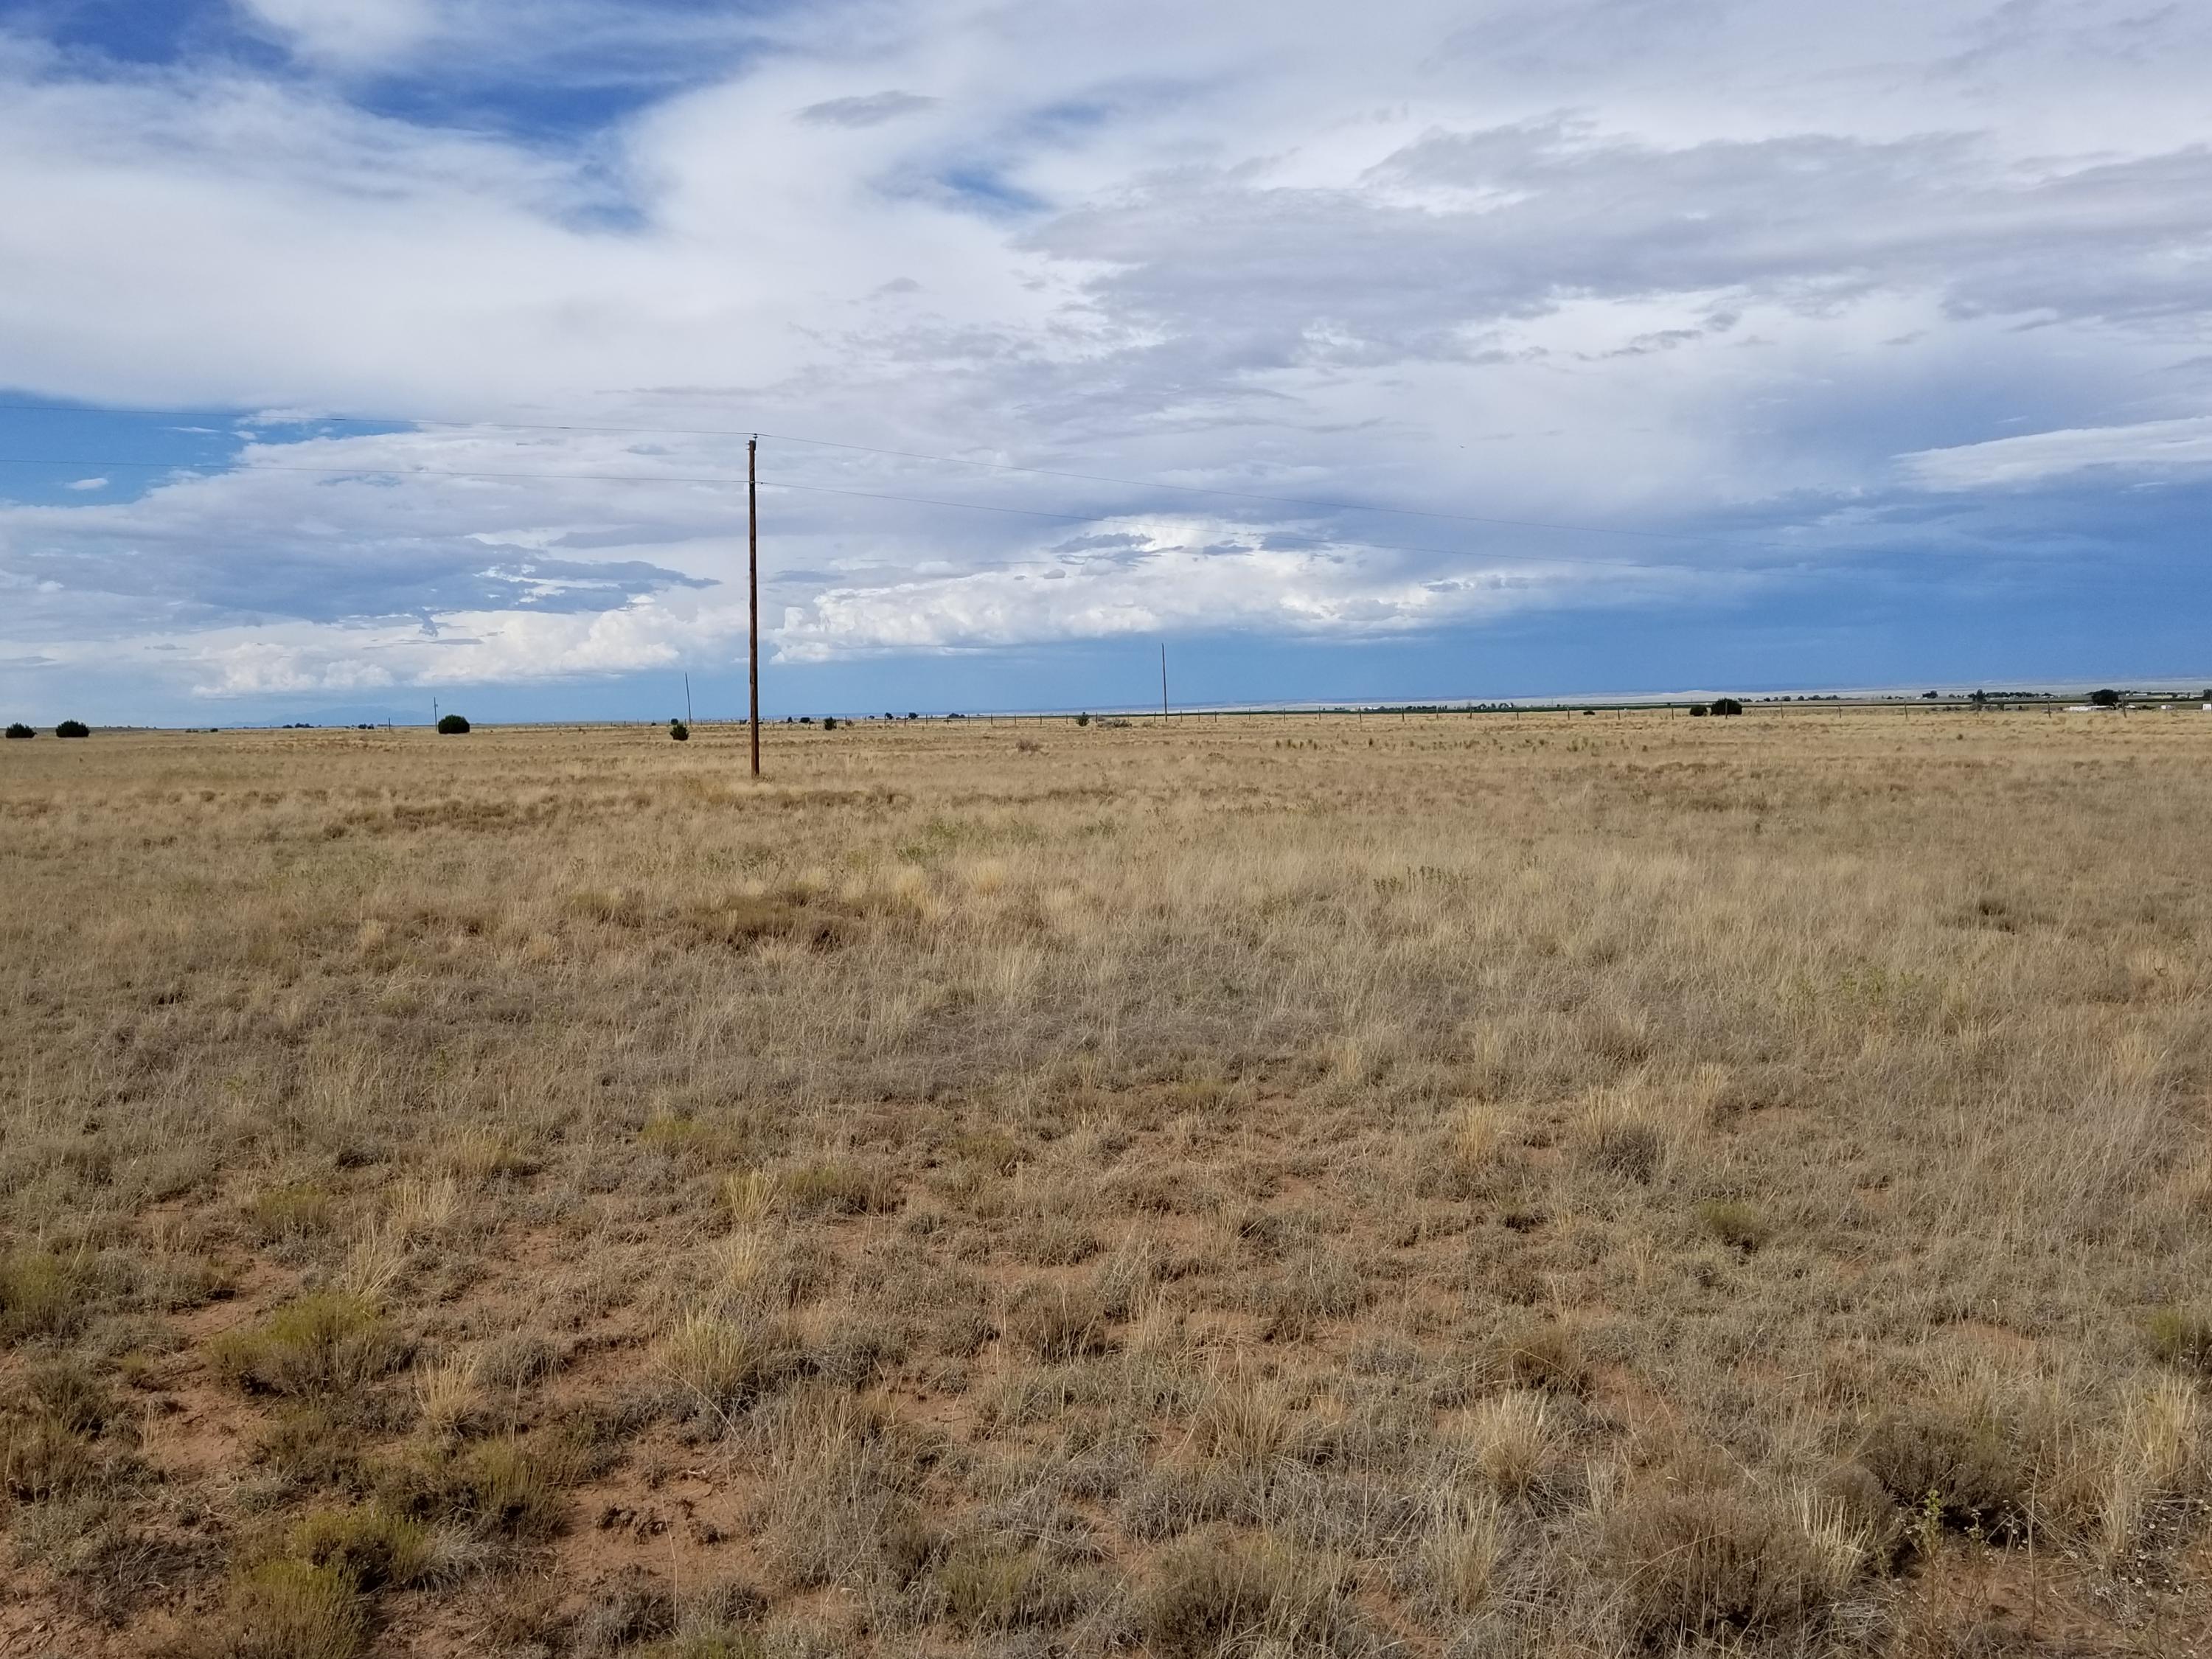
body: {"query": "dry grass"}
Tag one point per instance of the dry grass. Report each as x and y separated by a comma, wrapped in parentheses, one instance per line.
(1469, 1184)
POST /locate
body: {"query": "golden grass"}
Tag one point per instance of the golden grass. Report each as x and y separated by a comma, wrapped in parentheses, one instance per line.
(1534, 1184)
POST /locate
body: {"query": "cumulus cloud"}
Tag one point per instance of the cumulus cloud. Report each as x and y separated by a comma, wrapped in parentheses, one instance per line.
(1579, 263)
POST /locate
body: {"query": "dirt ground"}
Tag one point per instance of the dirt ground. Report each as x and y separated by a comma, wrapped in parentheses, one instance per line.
(1453, 1185)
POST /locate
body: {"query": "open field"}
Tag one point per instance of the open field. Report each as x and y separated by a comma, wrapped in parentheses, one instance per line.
(1466, 1185)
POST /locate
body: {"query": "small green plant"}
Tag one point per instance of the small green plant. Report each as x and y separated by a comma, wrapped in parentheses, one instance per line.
(41, 1294)
(2180, 1338)
(679, 731)
(327, 1341)
(371, 1546)
(1736, 1225)
(452, 726)
(72, 729)
(292, 1609)
(17, 729)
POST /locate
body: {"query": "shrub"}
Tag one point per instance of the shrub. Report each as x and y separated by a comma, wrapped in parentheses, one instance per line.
(327, 1341)
(2104, 697)
(1737, 1225)
(679, 731)
(72, 729)
(1699, 708)
(1080, 720)
(290, 1609)
(1058, 1322)
(369, 1546)
(452, 726)
(1547, 1356)
(1718, 1564)
(41, 1294)
(837, 1186)
(500, 1488)
(1211, 1598)
(1727, 706)
(1954, 1464)
(828, 722)
(2180, 1338)
(17, 729)
(726, 1364)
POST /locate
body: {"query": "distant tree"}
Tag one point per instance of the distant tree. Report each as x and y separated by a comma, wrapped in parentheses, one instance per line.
(19, 730)
(1080, 720)
(828, 722)
(452, 726)
(1727, 706)
(72, 729)
(1980, 699)
(1699, 708)
(1929, 696)
(2104, 697)
(679, 731)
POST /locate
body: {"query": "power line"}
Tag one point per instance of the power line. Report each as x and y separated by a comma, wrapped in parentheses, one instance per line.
(1310, 503)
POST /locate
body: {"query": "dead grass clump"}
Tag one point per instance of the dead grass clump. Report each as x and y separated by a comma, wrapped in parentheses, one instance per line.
(369, 1546)
(1210, 1596)
(61, 1436)
(990, 1586)
(1725, 1563)
(1955, 1463)
(2158, 1456)
(299, 1210)
(288, 1608)
(2181, 1337)
(1737, 1225)
(1546, 1355)
(724, 1364)
(325, 1342)
(837, 1185)
(502, 1488)
(1313, 1287)
(41, 1294)
(680, 1136)
(836, 1503)
(1057, 1323)
(1623, 1139)
(1460, 1552)
(1512, 1438)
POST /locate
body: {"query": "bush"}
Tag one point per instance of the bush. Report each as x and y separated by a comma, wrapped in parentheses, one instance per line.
(1699, 708)
(17, 729)
(2180, 1338)
(41, 1294)
(679, 731)
(453, 726)
(2106, 697)
(1727, 706)
(1954, 1465)
(72, 729)
(1080, 720)
(1725, 1564)
(288, 1609)
(325, 1342)
(369, 1546)
(828, 722)
(1737, 1225)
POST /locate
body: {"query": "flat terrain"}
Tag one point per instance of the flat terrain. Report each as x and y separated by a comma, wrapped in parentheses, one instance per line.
(1462, 1185)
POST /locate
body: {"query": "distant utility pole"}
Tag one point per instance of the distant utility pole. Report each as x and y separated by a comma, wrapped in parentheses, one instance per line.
(687, 699)
(1163, 682)
(752, 587)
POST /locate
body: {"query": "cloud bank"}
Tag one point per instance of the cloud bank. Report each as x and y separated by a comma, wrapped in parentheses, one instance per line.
(1725, 296)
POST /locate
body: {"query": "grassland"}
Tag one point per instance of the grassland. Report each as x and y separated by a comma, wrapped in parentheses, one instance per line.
(1466, 1185)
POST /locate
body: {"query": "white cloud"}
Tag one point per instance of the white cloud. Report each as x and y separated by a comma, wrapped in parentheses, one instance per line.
(349, 34)
(2151, 447)
(86, 484)
(1578, 263)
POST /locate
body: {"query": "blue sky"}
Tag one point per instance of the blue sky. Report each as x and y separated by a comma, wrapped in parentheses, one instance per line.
(1436, 350)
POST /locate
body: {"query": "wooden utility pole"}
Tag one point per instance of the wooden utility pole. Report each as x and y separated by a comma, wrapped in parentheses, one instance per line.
(752, 588)
(687, 699)
(1163, 682)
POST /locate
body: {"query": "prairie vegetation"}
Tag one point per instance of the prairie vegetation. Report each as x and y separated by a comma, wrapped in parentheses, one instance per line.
(1469, 1185)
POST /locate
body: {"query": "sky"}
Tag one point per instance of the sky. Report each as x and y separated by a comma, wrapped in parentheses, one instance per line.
(359, 353)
